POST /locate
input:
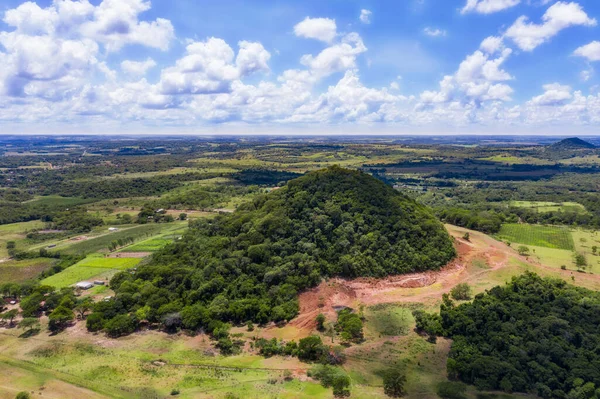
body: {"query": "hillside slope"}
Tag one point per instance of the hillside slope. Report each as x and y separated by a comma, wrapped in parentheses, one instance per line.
(251, 265)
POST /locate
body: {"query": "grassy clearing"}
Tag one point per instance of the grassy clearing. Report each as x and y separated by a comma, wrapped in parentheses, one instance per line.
(16, 232)
(102, 242)
(56, 200)
(151, 245)
(541, 206)
(93, 267)
(585, 240)
(386, 320)
(75, 274)
(19, 271)
(109, 263)
(541, 236)
(553, 257)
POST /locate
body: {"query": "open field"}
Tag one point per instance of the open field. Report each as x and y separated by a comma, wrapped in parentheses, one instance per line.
(550, 206)
(541, 236)
(16, 232)
(55, 200)
(90, 245)
(14, 271)
(93, 267)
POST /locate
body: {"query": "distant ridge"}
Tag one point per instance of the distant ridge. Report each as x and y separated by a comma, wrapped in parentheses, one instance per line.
(573, 143)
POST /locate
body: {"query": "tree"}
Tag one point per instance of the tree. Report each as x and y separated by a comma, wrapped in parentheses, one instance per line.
(9, 316)
(23, 395)
(580, 261)
(461, 292)
(594, 249)
(94, 322)
(29, 323)
(59, 318)
(467, 236)
(120, 325)
(83, 306)
(321, 321)
(311, 349)
(394, 381)
(182, 216)
(523, 250)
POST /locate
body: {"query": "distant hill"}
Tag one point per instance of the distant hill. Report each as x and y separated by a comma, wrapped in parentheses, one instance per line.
(251, 264)
(573, 143)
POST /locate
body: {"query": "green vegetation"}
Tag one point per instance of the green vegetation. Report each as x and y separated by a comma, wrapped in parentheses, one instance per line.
(327, 223)
(533, 334)
(541, 236)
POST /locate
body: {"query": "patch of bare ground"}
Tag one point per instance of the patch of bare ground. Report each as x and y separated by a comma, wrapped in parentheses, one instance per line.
(414, 287)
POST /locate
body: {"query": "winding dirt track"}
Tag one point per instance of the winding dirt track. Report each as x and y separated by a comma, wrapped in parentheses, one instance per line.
(416, 287)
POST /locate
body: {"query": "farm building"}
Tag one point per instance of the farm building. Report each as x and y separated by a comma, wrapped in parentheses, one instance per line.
(113, 229)
(84, 285)
(98, 282)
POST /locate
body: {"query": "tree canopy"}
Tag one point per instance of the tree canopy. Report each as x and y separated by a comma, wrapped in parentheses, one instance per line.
(251, 265)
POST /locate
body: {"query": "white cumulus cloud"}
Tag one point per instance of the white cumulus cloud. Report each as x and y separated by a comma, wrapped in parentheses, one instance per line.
(365, 16)
(528, 35)
(590, 51)
(488, 6)
(323, 29)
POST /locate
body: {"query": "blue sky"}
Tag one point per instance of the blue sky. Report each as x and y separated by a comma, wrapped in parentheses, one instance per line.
(335, 66)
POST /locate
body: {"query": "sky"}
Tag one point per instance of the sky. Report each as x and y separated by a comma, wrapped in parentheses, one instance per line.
(300, 67)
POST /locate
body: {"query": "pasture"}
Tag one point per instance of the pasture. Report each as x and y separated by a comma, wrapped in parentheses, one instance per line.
(14, 271)
(541, 206)
(541, 236)
(16, 232)
(93, 267)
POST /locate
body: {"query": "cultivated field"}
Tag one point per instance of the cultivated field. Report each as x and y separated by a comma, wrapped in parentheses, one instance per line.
(541, 236)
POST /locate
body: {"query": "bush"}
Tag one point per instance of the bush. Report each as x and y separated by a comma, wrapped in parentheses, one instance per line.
(120, 325)
(23, 395)
(311, 349)
(451, 390)
(393, 382)
(333, 377)
(321, 321)
(175, 392)
(94, 322)
(461, 292)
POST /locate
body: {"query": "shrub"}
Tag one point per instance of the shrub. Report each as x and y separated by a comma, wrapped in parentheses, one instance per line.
(451, 390)
(461, 292)
(393, 382)
(120, 325)
(23, 395)
(311, 349)
(94, 322)
(321, 321)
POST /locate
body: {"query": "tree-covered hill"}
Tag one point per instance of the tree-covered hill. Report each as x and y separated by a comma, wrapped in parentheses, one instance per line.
(251, 265)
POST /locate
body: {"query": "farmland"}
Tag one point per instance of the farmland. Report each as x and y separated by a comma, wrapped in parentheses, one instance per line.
(93, 267)
(547, 204)
(541, 236)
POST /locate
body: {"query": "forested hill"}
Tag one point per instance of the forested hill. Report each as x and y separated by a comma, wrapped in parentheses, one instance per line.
(250, 265)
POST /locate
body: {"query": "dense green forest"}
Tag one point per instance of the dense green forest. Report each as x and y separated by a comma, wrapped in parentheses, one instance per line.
(531, 335)
(251, 265)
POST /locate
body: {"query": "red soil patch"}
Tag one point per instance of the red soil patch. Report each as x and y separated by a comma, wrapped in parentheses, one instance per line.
(338, 292)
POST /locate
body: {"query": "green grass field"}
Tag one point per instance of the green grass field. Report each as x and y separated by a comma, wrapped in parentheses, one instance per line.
(541, 236)
(109, 263)
(19, 271)
(388, 320)
(151, 245)
(52, 200)
(540, 206)
(94, 266)
(16, 232)
(102, 242)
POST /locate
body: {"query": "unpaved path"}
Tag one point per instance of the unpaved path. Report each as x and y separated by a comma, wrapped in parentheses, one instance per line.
(426, 287)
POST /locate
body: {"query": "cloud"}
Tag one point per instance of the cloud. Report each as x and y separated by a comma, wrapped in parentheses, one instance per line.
(336, 58)
(137, 68)
(434, 32)
(488, 6)
(528, 35)
(554, 94)
(323, 29)
(365, 16)
(492, 44)
(208, 67)
(476, 81)
(590, 51)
